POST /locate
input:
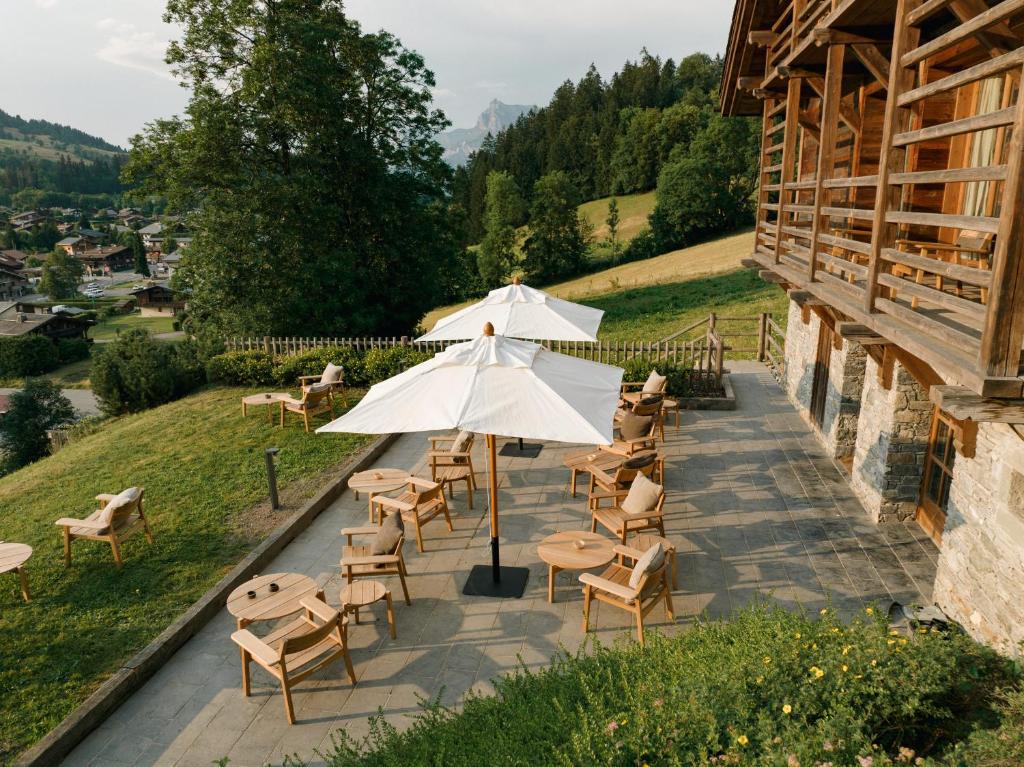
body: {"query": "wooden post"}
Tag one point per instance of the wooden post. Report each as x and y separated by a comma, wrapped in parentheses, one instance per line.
(826, 144)
(893, 158)
(492, 476)
(762, 330)
(1004, 322)
(788, 156)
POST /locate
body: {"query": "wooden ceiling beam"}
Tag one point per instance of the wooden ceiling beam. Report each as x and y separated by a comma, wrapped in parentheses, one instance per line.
(825, 36)
(804, 298)
(874, 61)
(964, 404)
(846, 113)
(862, 334)
(761, 38)
(748, 83)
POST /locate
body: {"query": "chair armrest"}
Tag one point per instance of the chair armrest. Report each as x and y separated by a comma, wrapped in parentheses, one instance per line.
(256, 647)
(447, 454)
(628, 551)
(609, 494)
(423, 484)
(365, 530)
(642, 514)
(303, 379)
(435, 440)
(289, 400)
(105, 498)
(71, 522)
(610, 586)
(942, 246)
(320, 609)
(601, 476)
(372, 559)
(392, 503)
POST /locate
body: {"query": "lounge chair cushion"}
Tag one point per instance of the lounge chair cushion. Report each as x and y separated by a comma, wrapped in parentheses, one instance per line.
(118, 502)
(332, 373)
(460, 444)
(643, 496)
(387, 537)
(649, 563)
(653, 399)
(635, 426)
(654, 383)
(640, 461)
(318, 388)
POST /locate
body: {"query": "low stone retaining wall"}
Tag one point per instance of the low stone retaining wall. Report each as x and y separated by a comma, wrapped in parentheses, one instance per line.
(59, 742)
(726, 402)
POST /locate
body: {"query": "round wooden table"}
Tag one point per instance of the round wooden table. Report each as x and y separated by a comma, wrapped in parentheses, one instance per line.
(602, 460)
(365, 592)
(269, 398)
(13, 557)
(671, 405)
(560, 553)
(646, 541)
(376, 481)
(270, 605)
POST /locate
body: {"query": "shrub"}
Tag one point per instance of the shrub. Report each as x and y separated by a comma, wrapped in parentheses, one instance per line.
(643, 245)
(28, 355)
(767, 687)
(313, 362)
(682, 381)
(136, 372)
(33, 411)
(251, 367)
(384, 363)
(72, 350)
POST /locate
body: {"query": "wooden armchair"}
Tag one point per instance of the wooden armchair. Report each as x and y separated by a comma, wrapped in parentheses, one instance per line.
(118, 517)
(972, 248)
(635, 433)
(633, 391)
(451, 461)
(359, 561)
(652, 405)
(420, 503)
(334, 376)
(295, 650)
(613, 486)
(626, 588)
(316, 400)
(641, 507)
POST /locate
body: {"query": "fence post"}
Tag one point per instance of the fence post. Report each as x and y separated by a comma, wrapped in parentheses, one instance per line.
(762, 329)
(266, 344)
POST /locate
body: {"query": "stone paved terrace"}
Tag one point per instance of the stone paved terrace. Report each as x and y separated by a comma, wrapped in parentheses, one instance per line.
(753, 504)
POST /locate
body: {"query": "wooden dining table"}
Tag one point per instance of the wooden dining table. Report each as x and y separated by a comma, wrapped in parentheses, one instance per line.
(266, 604)
(574, 550)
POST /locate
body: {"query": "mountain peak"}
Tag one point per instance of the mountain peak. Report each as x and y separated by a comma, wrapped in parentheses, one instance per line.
(460, 143)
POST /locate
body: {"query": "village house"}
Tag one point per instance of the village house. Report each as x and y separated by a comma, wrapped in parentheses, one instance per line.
(153, 235)
(891, 210)
(54, 326)
(13, 285)
(27, 219)
(105, 259)
(157, 299)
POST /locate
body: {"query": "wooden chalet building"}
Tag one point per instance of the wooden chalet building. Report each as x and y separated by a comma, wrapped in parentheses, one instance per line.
(158, 298)
(891, 209)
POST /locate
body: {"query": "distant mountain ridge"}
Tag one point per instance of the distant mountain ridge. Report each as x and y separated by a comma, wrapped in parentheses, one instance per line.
(460, 143)
(16, 128)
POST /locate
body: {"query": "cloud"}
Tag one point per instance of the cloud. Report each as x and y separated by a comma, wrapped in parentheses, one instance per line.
(442, 93)
(107, 23)
(135, 49)
(489, 85)
(46, 3)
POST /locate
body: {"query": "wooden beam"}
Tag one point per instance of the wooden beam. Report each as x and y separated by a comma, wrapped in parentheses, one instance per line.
(885, 370)
(846, 112)
(787, 72)
(804, 298)
(761, 38)
(830, 107)
(827, 36)
(874, 61)
(788, 158)
(862, 334)
(807, 121)
(963, 404)
(748, 83)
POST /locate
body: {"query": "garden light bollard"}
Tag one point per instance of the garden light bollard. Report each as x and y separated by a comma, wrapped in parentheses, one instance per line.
(275, 503)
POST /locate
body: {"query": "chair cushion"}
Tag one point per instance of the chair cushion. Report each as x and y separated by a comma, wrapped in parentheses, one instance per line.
(460, 444)
(387, 537)
(649, 563)
(332, 373)
(654, 383)
(318, 388)
(118, 502)
(643, 496)
(635, 426)
(640, 461)
(653, 399)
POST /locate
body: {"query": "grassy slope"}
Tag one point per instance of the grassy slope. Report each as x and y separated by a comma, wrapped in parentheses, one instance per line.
(203, 470)
(648, 300)
(633, 212)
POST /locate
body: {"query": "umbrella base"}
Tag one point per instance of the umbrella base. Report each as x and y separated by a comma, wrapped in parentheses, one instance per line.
(520, 450)
(480, 582)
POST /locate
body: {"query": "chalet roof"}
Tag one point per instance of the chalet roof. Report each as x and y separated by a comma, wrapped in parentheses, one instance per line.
(91, 233)
(69, 240)
(155, 228)
(11, 274)
(18, 324)
(14, 255)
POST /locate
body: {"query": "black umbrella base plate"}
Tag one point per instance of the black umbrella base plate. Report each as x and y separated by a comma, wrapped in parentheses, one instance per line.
(513, 450)
(480, 582)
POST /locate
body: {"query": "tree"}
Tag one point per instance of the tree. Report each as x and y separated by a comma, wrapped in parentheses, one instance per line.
(83, 222)
(559, 236)
(61, 274)
(504, 212)
(307, 153)
(136, 372)
(133, 240)
(170, 244)
(613, 228)
(33, 411)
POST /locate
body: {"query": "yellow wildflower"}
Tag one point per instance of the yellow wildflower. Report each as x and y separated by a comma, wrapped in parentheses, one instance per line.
(846, 650)
(759, 679)
(869, 610)
(787, 709)
(797, 635)
(845, 667)
(903, 641)
(817, 672)
(823, 611)
(874, 662)
(742, 740)
(891, 641)
(767, 660)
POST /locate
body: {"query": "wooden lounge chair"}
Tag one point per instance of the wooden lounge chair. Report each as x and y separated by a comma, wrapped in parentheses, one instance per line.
(295, 650)
(635, 433)
(423, 501)
(334, 376)
(118, 517)
(636, 589)
(635, 510)
(359, 561)
(633, 391)
(316, 400)
(612, 487)
(652, 405)
(451, 461)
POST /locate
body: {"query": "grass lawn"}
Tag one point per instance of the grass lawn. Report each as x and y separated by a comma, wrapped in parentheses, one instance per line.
(633, 212)
(203, 470)
(108, 329)
(74, 375)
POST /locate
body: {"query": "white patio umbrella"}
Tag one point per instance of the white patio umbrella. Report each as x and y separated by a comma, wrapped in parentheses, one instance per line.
(519, 311)
(494, 385)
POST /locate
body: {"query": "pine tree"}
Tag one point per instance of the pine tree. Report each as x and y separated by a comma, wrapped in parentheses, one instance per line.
(613, 228)
(504, 212)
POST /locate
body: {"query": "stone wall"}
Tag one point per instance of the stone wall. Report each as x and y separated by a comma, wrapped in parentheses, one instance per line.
(981, 559)
(891, 441)
(838, 430)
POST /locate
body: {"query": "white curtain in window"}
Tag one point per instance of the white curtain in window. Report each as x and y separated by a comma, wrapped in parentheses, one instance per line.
(983, 147)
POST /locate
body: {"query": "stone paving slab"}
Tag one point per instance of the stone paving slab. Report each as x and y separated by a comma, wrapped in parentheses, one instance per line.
(753, 504)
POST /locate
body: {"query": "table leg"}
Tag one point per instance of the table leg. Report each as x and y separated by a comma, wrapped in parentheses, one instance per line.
(370, 506)
(391, 614)
(552, 572)
(243, 410)
(572, 479)
(355, 611)
(675, 571)
(23, 576)
(242, 623)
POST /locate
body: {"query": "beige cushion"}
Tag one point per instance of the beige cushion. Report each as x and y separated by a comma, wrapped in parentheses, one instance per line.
(643, 496)
(317, 388)
(654, 383)
(640, 461)
(387, 537)
(635, 426)
(460, 445)
(650, 562)
(332, 373)
(119, 501)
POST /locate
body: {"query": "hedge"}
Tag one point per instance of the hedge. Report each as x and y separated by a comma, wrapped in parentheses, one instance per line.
(27, 355)
(258, 368)
(767, 687)
(682, 381)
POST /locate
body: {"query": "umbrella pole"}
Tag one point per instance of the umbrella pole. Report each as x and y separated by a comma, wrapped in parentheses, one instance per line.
(492, 472)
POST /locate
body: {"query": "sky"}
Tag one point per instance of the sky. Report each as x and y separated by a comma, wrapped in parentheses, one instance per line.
(98, 64)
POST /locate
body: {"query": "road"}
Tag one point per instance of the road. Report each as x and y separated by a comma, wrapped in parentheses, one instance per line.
(83, 400)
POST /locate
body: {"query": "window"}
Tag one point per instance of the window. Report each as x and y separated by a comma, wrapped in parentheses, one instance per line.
(938, 476)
